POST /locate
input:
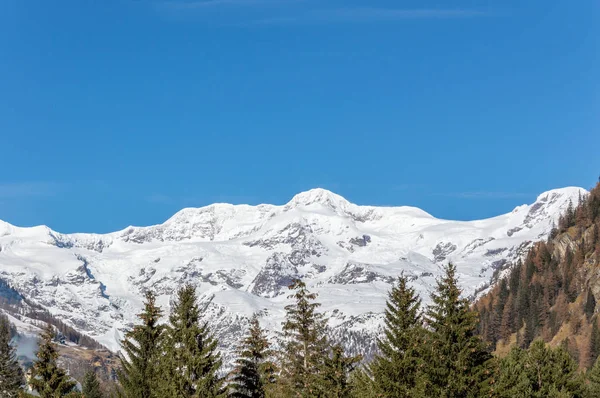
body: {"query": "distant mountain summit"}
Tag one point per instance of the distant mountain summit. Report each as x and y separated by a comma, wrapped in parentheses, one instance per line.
(244, 257)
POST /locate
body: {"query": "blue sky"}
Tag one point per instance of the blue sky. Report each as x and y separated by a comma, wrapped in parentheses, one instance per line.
(122, 112)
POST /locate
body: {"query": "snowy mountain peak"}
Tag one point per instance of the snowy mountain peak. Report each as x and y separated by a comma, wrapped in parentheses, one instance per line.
(318, 196)
(553, 194)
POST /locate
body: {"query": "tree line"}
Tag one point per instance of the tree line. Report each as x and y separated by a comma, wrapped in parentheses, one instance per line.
(432, 351)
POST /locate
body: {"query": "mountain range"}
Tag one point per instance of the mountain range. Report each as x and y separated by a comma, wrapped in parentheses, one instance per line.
(242, 258)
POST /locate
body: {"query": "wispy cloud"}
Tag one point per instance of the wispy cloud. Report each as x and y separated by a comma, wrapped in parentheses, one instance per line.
(485, 195)
(14, 190)
(368, 14)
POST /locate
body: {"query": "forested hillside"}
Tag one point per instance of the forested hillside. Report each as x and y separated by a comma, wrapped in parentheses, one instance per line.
(553, 293)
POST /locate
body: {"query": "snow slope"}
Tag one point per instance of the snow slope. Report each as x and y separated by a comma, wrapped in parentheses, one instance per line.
(243, 257)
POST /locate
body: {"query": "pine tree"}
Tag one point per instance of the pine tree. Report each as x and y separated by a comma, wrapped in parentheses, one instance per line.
(91, 385)
(47, 378)
(141, 345)
(304, 344)
(11, 374)
(191, 362)
(254, 373)
(457, 356)
(398, 367)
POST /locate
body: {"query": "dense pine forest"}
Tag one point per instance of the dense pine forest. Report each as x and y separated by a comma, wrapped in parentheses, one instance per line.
(535, 334)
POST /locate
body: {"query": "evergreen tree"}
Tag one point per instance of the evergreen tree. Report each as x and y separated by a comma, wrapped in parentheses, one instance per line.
(91, 385)
(397, 369)
(47, 378)
(539, 372)
(593, 377)
(11, 374)
(594, 345)
(362, 384)
(336, 374)
(190, 362)
(141, 345)
(457, 355)
(510, 377)
(254, 373)
(304, 345)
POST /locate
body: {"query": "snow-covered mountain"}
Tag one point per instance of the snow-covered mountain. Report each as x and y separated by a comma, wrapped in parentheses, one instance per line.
(244, 257)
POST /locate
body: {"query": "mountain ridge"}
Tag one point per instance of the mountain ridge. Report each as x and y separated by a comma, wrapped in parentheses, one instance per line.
(242, 257)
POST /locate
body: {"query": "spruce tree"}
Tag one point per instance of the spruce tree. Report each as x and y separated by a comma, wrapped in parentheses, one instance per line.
(593, 377)
(91, 385)
(362, 384)
(11, 374)
(190, 363)
(510, 376)
(397, 370)
(254, 373)
(304, 345)
(138, 375)
(539, 372)
(336, 374)
(47, 378)
(457, 357)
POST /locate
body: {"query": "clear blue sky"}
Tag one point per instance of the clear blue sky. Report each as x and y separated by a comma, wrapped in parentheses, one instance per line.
(119, 112)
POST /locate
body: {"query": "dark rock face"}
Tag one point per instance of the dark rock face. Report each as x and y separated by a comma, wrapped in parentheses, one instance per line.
(513, 231)
(277, 275)
(495, 252)
(95, 243)
(470, 248)
(354, 273)
(361, 241)
(442, 250)
(282, 268)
